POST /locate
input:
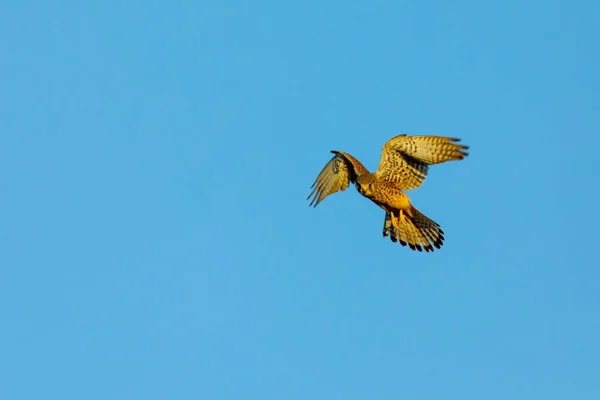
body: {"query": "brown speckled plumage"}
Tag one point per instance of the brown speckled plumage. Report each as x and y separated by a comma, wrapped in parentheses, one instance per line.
(403, 166)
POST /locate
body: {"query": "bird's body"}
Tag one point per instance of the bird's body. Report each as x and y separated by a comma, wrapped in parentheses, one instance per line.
(403, 166)
(383, 193)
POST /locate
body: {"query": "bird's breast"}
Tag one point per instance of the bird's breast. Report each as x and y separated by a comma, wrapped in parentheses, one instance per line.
(388, 194)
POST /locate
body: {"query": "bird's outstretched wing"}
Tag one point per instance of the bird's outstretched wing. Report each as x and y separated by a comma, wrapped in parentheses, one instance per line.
(337, 175)
(405, 159)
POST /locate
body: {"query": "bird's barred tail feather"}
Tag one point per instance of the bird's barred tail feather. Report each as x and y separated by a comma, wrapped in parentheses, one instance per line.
(415, 230)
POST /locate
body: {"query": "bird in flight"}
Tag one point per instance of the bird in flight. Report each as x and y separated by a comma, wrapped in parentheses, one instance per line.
(404, 164)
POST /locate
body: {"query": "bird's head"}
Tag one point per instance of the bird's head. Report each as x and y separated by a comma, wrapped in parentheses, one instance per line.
(365, 184)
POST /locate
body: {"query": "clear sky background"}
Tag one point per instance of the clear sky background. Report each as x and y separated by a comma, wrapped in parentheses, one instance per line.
(155, 240)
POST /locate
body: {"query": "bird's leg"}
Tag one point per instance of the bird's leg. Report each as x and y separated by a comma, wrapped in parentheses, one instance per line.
(402, 217)
(395, 222)
(403, 213)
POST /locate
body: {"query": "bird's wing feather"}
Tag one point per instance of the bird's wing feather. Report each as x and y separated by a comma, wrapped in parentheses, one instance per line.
(337, 174)
(405, 159)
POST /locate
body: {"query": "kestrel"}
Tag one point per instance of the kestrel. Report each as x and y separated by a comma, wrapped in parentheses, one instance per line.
(403, 166)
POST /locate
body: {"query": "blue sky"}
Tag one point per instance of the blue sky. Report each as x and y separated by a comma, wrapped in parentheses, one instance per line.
(155, 240)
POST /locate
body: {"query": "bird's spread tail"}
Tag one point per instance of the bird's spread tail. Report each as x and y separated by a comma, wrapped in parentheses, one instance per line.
(414, 229)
